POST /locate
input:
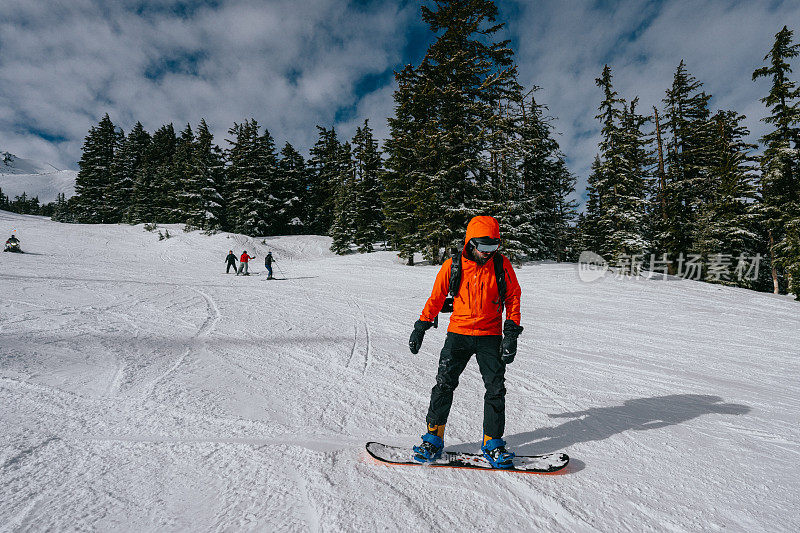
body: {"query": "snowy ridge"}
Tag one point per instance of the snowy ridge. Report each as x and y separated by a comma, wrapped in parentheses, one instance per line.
(143, 389)
(18, 175)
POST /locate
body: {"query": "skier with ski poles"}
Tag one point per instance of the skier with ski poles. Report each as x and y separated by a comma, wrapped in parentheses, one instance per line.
(243, 264)
(231, 260)
(268, 264)
(479, 282)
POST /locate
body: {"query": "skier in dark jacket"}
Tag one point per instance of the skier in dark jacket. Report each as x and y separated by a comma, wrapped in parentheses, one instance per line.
(475, 328)
(268, 263)
(231, 260)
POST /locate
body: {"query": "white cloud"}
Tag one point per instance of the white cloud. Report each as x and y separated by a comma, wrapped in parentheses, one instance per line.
(563, 46)
(288, 64)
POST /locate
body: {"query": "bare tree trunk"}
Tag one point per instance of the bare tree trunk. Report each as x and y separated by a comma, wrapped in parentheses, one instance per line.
(775, 288)
(661, 177)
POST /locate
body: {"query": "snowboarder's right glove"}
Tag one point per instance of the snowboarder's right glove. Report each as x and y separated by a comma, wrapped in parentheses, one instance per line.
(415, 341)
(510, 333)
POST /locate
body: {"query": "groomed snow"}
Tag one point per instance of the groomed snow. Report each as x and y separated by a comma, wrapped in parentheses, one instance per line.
(142, 389)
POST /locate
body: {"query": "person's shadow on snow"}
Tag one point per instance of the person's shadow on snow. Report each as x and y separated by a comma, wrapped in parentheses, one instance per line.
(598, 423)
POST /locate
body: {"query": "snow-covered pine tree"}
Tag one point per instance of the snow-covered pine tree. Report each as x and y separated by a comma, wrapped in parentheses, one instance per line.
(94, 184)
(209, 174)
(155, 182)
(344, 202)
(454, 93)
(323, 168)
(293, 183)
(252, 166)
(619, 179)
(128, 162)
(405, 164)
(780, 164)
(725, 222)
(368, 227)
(689, 146)
(187, 191)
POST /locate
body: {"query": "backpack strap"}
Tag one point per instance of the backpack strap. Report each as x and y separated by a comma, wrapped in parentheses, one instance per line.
(500, 275)
(455, 276)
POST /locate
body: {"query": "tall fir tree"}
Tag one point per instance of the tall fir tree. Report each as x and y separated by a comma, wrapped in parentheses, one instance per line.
(780, 164)
(209, 175)
(323, 169)
(154, 190)
(94, 185)
(725, 222)
(689, 156)
(454, 92)
(344, 202)
(368, 216)
(128, 163)
(252, 167)
(294, 184)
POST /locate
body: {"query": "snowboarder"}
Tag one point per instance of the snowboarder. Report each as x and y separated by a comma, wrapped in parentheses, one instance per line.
(268, 263)
(12, 244)
(243, 263)
(475, 328)
(231, 260)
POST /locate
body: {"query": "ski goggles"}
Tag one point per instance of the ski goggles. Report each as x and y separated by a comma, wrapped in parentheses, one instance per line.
(486, 244)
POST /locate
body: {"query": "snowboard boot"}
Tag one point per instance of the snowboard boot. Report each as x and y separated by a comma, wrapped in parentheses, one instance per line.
(432, 445)
(494, 450)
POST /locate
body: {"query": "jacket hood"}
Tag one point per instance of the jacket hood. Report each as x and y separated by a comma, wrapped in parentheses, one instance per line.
(483, 226)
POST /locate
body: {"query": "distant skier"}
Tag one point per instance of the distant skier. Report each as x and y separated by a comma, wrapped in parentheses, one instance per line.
(243, 263)
(268, 263)
(231, 260)
(475, 328)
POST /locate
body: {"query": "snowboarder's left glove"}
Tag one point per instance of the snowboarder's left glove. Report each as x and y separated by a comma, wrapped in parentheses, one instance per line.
(510, 333)
(415, 341)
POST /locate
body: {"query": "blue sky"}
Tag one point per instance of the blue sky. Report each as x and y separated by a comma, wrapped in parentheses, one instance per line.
(293, 65)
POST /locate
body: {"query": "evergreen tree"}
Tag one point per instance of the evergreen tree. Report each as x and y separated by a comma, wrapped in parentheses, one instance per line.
(725, 223)
(95, 181)
(252, 166)
(620, 178)
(405, 164)
(780, 183)
(368, 207)
(689, 146)
(323, 168)
(155, 188)
(128, 162)
(293, 183)
(188, 205)
(454, 93)
(209, 175)
(344, 202)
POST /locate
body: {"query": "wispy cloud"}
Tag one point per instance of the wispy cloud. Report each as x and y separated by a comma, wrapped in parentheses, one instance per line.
(564, 45)
(293, 64)
(289, 64)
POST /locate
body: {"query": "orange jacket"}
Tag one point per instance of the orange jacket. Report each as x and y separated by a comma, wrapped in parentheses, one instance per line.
(476, 308)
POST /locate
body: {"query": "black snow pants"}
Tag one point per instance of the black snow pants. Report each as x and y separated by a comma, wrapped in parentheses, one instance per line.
(456, 353)
(230, 264)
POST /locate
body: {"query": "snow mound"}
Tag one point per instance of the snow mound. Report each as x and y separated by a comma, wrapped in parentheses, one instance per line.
(18, 175)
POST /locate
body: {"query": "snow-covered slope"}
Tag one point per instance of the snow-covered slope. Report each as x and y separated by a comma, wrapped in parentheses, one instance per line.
(142, 389)
(18, 175)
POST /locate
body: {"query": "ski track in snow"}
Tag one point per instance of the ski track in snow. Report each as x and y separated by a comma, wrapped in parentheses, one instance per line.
(142, 389)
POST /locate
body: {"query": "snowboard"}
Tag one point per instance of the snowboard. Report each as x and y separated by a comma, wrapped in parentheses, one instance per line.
(529, 464)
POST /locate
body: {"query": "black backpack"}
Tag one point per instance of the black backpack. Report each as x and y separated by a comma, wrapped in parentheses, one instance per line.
(455, 281)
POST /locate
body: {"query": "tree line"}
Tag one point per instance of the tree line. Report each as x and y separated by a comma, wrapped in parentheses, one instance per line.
(683, 180)
(466, 139)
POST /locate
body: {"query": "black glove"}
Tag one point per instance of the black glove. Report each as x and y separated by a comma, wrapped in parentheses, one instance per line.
(510, 333)
(415, 341)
